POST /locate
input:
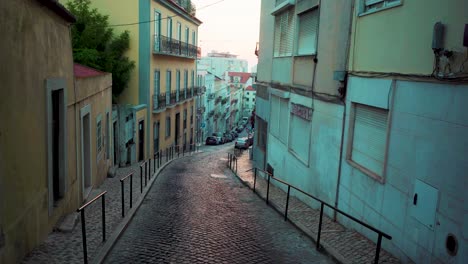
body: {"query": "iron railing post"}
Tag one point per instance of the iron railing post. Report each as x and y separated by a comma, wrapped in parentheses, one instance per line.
(236, 166)
(255, 179)
(149, 169)
(287, 204)
(146, 172)
(83, 232)
(377, 252)
(320, 226)
(103, 217)
(123, 198)
(131, 190)
(268, 189)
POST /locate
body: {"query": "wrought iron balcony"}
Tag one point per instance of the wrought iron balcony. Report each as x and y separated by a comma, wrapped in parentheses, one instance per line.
(199, 90)
(159, 101)
(169, 46)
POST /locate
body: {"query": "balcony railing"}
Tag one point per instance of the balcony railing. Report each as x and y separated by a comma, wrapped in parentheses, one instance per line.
(164, 100)
(199, 90)
(169, 46)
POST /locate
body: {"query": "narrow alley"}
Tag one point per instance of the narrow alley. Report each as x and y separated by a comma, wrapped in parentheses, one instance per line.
(198, 212)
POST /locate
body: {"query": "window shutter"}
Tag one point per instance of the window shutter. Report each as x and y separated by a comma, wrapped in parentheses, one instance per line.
(369, 137)
(308, 28)
(277, 35)
(156, 83)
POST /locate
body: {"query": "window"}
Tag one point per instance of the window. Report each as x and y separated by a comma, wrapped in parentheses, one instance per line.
(368, 139)
(187, 34)
(99, 133)
(194, 38)
(247, 99)
(191, 115)
(369, 6)
(185, 81)
(179, 31)
(177, 84)
(279, 118)
(185, 118)
(168, 126)
(157, 82)
(168, 86)
(157, 30)
(300, 132)
(169, 27)
(193, 78)
(284, 32)
(308, 28)
(283, 119)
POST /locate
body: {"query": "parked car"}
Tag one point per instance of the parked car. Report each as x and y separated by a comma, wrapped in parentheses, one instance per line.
(220, 137)
(228, 137)
(212, 141)
(234, 134)
(242, 143)
(239, 129)
(250, 140)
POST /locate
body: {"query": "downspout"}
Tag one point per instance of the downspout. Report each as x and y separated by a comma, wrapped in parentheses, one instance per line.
(76, 123)
(343, 122)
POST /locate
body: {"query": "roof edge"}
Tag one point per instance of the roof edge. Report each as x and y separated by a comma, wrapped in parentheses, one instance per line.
(58, 9)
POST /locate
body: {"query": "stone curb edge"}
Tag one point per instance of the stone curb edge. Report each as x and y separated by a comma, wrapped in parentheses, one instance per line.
(327, 249)
(107, 247)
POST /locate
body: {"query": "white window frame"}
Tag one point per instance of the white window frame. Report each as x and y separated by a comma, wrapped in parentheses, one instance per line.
(277, 51)
(387, 4)
(314, 52)
(374, 175)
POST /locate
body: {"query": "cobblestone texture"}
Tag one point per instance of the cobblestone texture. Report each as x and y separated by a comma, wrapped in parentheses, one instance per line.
(352, 246)
(192, 215)
(62, 247)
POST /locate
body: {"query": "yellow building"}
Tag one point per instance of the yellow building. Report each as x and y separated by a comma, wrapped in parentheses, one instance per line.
(161, 93)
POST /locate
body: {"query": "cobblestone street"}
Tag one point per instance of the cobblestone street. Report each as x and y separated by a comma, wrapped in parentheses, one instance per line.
(198, 212)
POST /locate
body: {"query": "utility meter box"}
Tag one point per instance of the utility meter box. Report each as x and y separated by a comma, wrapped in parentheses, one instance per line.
(424, 203)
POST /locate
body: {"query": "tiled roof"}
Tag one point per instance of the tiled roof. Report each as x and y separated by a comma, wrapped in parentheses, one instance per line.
(59, 9)
(250, 88)
(244, 76)
(82, 71)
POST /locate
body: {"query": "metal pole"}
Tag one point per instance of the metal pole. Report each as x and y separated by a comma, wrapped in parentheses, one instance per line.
(236, 166)
(287, 204)
(83, 232)
(149, 168)
(377, 252)
(131, 190)
(146, 173)
(255, 179)
(268, 188)
(320, 226)
(178, 151)
(103, 217)
(123, 198)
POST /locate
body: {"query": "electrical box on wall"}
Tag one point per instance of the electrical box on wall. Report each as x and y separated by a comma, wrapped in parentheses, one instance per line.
(424, 203)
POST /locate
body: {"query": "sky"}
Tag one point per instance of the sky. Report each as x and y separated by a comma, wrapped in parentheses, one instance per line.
(230, 25)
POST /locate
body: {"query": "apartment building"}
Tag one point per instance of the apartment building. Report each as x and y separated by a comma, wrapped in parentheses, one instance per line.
(158, 109)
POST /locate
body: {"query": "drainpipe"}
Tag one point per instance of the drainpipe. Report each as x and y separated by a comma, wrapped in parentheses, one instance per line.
(344, 111)
(77, 146)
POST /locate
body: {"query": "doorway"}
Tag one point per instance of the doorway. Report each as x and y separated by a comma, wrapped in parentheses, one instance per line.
(114, 143)
(141, 140)
(156, 137)
(86, 151)
(177, 128)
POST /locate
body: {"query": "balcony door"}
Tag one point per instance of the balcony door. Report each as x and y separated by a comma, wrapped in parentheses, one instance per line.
(157, 30)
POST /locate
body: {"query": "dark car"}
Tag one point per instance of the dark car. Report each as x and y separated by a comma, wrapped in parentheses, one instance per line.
(242, 143)
(239, 129)
(220, 137)
(228, 137)
(211, 141)
(234, 134)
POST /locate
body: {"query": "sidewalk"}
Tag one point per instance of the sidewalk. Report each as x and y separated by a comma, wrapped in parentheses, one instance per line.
(346, 245)
(67, 247)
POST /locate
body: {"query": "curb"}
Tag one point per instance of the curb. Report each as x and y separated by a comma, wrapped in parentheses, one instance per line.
(325, 247)
(109, 244)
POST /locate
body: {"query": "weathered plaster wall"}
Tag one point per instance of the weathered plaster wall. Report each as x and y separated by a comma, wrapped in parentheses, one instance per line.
(97, 93)
(41, 38)
(427, 142)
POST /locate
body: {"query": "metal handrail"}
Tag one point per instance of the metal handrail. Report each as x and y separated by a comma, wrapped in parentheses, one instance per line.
(322, 205)
(83, 222)
(123, 192)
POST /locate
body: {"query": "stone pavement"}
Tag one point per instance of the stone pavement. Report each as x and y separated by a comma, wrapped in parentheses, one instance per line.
(346, 245)
(67, 247)
(198, 212)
